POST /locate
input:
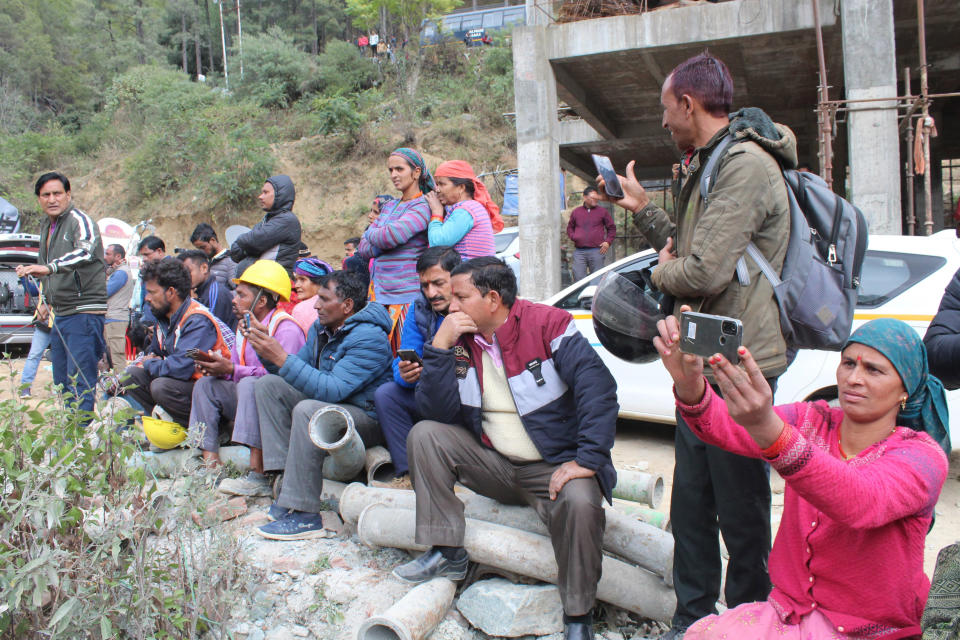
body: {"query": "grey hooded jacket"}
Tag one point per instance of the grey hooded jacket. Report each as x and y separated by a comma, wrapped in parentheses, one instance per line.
(277, 236)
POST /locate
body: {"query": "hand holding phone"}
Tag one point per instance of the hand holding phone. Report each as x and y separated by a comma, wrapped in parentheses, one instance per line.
(409, 355)
(611, 183)
(703, 334)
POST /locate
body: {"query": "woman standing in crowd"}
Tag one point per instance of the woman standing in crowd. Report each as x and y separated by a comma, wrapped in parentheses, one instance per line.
(307, 273)
(398, 237)
(861, 483)
(462, 214)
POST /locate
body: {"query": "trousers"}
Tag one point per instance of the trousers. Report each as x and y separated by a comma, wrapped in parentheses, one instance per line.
(76, 346)
(442, 454)
(397, 412)
(38, 345)
(171, 394)
(285, 415)
(115, 334)
(586, 260)
(714, 492)
(217, 402)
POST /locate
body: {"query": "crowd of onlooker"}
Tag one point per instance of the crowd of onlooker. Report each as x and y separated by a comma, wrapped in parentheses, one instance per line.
(420, 340)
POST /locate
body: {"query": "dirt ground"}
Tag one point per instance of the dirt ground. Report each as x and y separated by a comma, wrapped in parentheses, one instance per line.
(649, 446)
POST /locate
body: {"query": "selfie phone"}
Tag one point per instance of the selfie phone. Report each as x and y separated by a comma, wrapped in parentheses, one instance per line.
(409, 355)
(611, 183)
(703, 334)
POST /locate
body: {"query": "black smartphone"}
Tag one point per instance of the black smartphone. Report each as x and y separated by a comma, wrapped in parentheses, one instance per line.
(611, 183)
(409, 355)
(703, 334)
(246, 320)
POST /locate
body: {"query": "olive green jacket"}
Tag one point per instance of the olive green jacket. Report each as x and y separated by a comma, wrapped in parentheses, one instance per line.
(747, 202)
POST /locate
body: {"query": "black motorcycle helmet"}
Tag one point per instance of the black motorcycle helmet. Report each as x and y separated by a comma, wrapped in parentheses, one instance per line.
(625, 318)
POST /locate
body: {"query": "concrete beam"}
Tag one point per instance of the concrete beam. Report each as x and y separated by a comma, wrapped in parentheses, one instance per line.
(538, 163)
(583, 103)
(577, 132)
(683, 26)
(869, 67)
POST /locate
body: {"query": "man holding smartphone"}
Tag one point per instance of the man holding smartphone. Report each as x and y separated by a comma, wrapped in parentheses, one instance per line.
(396, 400)
(715, 491)
(592, 231)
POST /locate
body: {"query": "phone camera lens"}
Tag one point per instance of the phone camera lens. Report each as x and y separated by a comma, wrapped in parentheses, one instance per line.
(729, 328)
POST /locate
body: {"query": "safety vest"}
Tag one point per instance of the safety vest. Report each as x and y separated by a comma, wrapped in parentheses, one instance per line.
(195, 307)
(279, 316)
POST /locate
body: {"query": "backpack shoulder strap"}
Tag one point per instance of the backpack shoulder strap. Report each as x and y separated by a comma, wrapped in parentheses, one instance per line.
(708, 175)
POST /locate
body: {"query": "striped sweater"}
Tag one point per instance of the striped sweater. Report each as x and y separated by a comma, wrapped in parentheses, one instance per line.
(71, 248)
(467, 228)
(395, 242)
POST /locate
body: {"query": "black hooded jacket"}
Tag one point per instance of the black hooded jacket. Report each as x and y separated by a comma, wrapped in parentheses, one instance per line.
(943, 337)
(277, 236)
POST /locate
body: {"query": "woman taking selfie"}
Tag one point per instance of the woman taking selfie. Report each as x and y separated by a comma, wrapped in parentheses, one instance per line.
(462, 214)
(862, 481)
(398, 236)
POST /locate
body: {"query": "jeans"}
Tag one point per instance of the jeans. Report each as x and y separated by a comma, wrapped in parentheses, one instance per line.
(76, 346)
(39, 344)
(397, 412)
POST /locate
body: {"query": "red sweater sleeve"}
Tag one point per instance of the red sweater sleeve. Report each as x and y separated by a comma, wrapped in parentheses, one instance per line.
(902, 477)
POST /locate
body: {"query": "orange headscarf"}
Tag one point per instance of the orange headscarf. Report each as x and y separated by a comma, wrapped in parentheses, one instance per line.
(461, 169)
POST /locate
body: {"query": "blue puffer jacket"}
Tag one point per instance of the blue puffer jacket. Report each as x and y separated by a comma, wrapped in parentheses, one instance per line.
(346, 367)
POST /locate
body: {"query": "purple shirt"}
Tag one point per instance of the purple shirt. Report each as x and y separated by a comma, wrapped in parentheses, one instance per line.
(589, 228)
(288, 334)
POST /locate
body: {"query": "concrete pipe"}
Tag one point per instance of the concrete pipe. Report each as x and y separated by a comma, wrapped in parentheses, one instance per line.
(332, 430)
(414, 616)
(635, 541)
(621, 584)
(654, 518)
(639, 486)
(167, 464)
(379, 465)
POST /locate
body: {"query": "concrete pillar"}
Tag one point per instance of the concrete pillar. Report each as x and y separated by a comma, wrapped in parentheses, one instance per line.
(869, 67)
(538, 161)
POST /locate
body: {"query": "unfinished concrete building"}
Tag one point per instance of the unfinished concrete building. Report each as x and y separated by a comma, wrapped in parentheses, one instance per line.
(593, 86)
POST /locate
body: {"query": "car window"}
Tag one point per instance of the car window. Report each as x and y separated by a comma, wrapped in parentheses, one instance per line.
(887, 274)
(503, 240)
(637, 272)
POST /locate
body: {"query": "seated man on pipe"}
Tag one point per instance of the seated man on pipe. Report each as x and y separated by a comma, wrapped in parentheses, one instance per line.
(346, 357)
(166, 374)
(519, 408)
(396, 402)
(225, 393)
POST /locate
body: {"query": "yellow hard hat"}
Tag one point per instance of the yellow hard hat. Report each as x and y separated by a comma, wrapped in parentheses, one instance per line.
(163, 433)
(268, 275)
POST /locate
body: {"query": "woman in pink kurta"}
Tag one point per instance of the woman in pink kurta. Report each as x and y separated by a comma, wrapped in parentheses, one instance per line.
(847, 561)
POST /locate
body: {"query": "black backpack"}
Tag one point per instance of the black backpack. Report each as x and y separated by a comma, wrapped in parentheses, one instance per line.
(817, 288)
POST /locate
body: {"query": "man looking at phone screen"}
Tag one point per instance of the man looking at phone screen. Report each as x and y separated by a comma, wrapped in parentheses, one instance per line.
(396, 401)
(165, 375)
(592, 231)
(699, 251)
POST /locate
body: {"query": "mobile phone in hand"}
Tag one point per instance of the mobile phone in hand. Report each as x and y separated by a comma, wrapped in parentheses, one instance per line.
(409, 355)
(703, 334)
(611, 183)
(246, 320)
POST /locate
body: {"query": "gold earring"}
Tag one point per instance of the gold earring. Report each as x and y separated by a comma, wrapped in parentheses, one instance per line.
(903, 404)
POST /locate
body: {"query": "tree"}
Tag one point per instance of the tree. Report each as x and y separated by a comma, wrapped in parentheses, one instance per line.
(409, 15)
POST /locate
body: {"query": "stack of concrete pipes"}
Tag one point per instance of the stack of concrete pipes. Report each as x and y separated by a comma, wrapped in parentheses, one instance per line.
(637, 561)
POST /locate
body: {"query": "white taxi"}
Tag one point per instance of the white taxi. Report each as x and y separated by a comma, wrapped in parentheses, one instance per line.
(903, 277)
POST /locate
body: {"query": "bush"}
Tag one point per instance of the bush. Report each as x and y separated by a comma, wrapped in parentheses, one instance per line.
(150, 93)
(88, 545)
(341, 69)
(337, 115)
(275, 70)
(243, 165)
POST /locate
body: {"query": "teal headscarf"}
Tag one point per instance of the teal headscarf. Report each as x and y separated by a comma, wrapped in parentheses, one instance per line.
(926, 408)
(416, 161)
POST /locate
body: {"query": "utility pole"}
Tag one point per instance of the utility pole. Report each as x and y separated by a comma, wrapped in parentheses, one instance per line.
(240, 40)
(223, 43)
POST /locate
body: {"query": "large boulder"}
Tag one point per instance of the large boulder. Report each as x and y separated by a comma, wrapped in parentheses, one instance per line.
(500, 608)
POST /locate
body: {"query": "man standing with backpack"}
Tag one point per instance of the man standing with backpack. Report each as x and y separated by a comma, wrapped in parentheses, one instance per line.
(715, 491)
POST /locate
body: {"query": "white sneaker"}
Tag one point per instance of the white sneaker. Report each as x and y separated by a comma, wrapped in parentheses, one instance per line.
(250, 484)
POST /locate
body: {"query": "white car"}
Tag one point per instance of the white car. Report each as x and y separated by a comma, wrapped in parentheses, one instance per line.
(507, 246)
(903, 277)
